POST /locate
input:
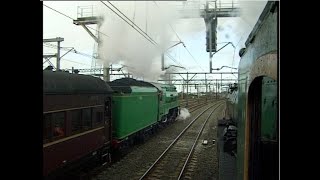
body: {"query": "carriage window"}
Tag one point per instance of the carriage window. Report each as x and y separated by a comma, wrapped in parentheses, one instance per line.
(58, 124)
(47, 132)
(86, 118)
(97, 116)
(75, 121)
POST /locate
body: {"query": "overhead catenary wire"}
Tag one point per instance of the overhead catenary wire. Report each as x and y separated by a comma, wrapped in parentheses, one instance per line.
(133, 25)
(150, 40)
(77, 52)
(173, 59)
(73, 19)
(234, 51)
(182, 41)
(69, 61)
(75, 62)
(58, 12)
(194, 59)
(132, 22)
(66, 49)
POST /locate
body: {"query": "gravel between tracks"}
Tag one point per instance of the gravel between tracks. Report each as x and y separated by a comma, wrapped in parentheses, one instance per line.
(135, 163)
(204, 159)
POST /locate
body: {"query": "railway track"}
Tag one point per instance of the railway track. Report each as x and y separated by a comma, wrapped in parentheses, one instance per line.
(195, 106)
(171, 164)
(183, 102)
(97, 170)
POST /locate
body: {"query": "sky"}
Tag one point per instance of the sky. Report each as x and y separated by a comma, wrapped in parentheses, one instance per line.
(122, 45)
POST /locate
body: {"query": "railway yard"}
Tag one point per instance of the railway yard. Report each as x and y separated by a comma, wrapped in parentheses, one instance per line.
(202, 164)
(142, 107)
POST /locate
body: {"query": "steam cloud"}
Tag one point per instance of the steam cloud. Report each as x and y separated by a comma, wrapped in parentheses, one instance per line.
(142, 59)
(184, 114)
(127, 47)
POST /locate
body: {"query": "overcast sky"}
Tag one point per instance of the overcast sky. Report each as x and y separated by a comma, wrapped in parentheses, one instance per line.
(148, 16)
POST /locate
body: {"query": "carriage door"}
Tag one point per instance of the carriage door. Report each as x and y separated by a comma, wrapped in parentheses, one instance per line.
(263, 159)
(107, 116)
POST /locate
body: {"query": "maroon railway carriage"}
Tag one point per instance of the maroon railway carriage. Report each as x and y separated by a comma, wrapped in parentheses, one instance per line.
(76, 121)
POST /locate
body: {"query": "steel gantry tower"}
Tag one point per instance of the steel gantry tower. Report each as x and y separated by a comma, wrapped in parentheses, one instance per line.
(210, 12)
(86, 15)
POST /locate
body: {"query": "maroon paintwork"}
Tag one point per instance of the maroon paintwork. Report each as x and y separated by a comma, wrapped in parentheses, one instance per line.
(72, 147)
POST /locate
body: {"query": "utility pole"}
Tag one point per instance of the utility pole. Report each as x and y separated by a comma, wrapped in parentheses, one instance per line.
(162, 61)
(205, 78)
(187, 89)
(182, 88)
(216, 88)
(198, 91)
(221, 84)
(58, 56)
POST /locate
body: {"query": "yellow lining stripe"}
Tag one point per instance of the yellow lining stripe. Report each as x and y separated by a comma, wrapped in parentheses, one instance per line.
(71, 137)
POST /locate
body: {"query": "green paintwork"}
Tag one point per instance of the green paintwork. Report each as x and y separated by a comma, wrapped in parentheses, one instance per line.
(137, 89)
(264, 42)
(241, 122)
(134, 111)
(169, 99)
(269, 109)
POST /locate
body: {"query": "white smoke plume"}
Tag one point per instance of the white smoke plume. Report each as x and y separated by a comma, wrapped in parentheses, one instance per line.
(167, 76)
(184, 114)
(236, 30)
(126, 46)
